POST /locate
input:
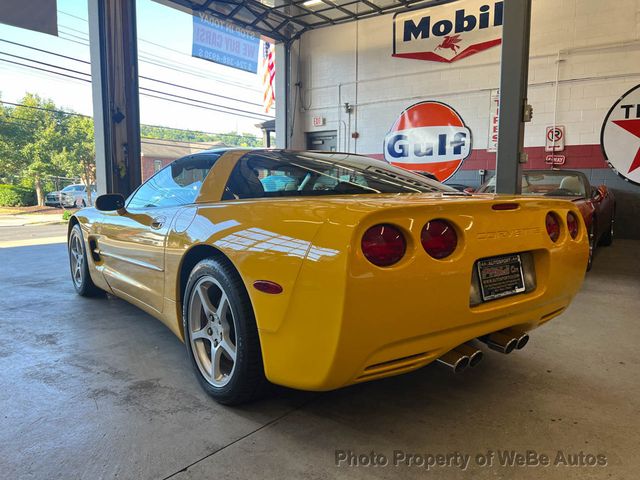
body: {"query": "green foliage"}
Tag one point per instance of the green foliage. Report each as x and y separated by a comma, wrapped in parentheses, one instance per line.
(13, 196)
(66, 215)
(32, 141)
(231, 139)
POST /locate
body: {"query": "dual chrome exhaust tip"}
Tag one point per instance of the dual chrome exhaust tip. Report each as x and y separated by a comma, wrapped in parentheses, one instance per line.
(466, 355)
(506, 341)
(461, 357)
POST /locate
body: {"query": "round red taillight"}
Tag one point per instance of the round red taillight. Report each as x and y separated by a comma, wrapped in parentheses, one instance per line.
(383, 245)
(439, 238)
(553, 226)
(572, 224)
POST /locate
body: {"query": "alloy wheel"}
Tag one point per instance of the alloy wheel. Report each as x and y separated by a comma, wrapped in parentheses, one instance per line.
(77, 258)
(212, 331)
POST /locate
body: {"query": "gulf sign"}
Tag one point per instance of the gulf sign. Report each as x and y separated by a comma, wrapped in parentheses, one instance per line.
(428, 137)
(448, 32)
(620, 136)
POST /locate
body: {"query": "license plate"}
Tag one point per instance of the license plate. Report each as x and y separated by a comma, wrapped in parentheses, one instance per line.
(500, 276)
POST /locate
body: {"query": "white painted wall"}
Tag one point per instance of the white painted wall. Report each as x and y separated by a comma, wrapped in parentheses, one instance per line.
(599, 45)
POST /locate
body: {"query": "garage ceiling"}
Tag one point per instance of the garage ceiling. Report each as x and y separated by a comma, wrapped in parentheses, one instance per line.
(284, 20)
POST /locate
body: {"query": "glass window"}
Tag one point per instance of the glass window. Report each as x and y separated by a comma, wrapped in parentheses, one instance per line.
(178, 183)
(283, 174)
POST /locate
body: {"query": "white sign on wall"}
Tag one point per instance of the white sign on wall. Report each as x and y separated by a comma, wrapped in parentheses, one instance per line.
(554, 139)
(494, 118)
(448, 32)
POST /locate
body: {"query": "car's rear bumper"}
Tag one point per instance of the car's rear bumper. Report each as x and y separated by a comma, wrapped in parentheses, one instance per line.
(416, 352)
(371, 345)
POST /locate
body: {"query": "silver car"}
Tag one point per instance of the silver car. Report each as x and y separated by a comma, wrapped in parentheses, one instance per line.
(72, 196)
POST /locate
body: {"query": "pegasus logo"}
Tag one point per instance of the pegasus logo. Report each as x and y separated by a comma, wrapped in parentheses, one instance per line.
(451, 43)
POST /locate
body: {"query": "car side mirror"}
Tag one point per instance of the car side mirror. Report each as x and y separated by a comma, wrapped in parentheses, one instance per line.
(602, 191)
(110, 202)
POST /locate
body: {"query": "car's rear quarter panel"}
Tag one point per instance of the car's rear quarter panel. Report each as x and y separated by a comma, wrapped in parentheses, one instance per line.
(263, 240)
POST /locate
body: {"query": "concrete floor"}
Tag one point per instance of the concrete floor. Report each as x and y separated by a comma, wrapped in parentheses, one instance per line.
(94, 388)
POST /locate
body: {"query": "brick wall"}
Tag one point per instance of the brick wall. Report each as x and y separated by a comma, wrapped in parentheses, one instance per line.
(598, 44)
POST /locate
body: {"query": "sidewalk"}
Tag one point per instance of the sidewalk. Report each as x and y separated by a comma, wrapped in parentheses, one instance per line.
(20, 220)
(32, 234)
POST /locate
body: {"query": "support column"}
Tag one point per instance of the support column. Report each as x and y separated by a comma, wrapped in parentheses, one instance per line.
(116, 108)
(282, 91)
(514, 76)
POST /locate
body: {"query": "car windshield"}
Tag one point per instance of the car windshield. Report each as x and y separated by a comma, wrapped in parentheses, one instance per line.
(551, 184)
(70, 188)
(280, 174)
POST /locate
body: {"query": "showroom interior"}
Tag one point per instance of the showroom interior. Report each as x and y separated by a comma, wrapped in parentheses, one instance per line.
(98, 388)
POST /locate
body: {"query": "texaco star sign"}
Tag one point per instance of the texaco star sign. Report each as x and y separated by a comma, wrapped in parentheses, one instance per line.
(620, 136)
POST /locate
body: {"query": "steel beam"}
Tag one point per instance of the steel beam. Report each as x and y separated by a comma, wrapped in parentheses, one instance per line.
(116, 106)
(514, 75)
(282, 92)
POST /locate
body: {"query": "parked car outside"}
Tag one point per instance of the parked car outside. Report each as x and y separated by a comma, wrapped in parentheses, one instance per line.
(71, 196)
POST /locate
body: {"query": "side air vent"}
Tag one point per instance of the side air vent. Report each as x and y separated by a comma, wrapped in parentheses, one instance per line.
(95, 251)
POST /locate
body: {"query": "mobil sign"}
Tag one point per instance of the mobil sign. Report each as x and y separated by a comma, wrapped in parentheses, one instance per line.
(448, 32)
(428, 137)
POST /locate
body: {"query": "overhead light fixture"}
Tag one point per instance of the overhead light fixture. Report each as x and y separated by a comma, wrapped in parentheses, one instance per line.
(312, 3)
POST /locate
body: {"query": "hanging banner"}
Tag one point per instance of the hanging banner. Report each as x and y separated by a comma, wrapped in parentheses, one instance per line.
(448, 32)
(428, 137)
(494, 120)
(224, 43)
(36, 15)
(620, 136)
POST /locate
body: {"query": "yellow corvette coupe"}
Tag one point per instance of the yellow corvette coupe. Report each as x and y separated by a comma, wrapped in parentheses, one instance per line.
(319, 270)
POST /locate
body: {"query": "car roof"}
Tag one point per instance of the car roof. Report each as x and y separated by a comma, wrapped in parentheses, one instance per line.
(221, 150)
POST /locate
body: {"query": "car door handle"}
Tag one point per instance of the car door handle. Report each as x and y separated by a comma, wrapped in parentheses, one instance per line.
(158, 222)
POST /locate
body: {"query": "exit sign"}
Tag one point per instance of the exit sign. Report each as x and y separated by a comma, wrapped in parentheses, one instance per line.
(318, 121)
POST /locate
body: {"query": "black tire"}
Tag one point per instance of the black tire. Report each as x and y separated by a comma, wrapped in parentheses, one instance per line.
(246, 380)
(80, 276)
(607, 238)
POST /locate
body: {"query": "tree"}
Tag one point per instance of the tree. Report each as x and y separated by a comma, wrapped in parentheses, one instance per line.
(32, 142)
(79, 151)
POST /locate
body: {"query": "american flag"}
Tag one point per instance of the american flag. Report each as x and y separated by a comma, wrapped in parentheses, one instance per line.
(268, 68)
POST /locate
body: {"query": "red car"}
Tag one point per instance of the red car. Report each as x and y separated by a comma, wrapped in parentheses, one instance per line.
(597, 205)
